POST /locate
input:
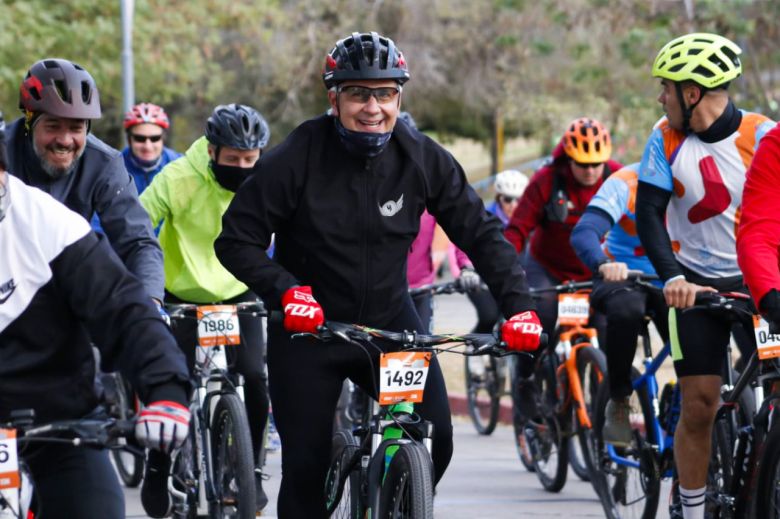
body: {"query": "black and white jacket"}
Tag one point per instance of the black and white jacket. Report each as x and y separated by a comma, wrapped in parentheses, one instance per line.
(60, 283)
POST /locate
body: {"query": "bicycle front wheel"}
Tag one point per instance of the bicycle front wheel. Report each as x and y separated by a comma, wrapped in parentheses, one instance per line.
(407, 490)
(768, 488)
(592, 369)
(233, 469)
(482, 392)
(628, 480)
(545, 434)
(342, 484)
(129, 466)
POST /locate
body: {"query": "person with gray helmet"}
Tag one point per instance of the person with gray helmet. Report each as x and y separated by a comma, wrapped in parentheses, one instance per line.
(51, 148)
(61, 284)
(189, 196)
(344, 194)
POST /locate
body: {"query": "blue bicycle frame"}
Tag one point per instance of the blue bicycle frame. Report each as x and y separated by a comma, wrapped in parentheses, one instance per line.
(648, 380)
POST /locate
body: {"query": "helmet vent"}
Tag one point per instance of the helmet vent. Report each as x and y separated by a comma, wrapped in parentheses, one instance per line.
(704, 71)
(50, 64)
(62, 90)
(86, 92)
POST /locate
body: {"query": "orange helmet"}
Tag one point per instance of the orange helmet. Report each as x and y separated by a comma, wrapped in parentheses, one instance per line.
(587, 141)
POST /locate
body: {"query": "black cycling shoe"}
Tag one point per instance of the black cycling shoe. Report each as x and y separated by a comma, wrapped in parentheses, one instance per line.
(154, 491)
(261, 499)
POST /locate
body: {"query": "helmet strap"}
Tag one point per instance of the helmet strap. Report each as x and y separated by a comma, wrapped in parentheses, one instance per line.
(687, 111)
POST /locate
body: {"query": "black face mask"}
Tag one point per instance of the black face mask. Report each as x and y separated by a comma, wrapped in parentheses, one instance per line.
(230, 177)
(364, 144)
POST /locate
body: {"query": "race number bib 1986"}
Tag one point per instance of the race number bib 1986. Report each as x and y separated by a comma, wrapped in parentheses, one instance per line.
(218, 325)
(9, 464)
(402, 376)
(768, 343)
(573, 309)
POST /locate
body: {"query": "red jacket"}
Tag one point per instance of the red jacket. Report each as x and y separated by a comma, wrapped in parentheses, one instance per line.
(759, 229)
(550, 240)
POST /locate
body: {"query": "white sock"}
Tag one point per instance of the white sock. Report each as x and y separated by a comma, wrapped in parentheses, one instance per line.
(692, 502)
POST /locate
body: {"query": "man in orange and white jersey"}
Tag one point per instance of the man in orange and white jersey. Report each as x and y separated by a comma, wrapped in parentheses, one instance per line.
(691, 175)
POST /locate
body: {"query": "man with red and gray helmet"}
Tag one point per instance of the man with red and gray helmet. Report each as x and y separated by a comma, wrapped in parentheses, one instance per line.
(147, 127)
(344, 194)
(51, 148)
(189, 196)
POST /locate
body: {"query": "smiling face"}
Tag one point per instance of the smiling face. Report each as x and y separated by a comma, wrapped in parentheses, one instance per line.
(59, 142)
(365, 116)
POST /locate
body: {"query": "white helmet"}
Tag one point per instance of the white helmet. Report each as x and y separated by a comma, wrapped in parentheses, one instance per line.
(510, 183)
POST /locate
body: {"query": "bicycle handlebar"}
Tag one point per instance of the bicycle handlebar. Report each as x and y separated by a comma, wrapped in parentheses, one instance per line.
(180, 310)
(450, 287)
(481, 343)
(723, 303)
(95, 433)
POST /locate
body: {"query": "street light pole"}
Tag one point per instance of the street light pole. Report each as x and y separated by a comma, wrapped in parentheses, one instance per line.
(128, 80)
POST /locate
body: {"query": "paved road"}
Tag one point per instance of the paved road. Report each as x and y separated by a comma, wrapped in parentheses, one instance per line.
(485, 478)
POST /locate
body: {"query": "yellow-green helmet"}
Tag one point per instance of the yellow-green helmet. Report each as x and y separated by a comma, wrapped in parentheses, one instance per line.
(707, 59)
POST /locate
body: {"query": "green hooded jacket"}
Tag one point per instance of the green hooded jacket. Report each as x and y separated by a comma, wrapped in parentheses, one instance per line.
(187, 198)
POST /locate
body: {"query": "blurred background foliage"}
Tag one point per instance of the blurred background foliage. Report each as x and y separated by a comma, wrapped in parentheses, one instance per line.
(532, 65)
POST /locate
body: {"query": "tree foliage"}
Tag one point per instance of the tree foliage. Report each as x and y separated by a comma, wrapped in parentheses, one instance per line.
(534, 64)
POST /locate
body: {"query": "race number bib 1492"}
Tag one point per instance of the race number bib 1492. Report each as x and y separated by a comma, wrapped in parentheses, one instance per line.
(573, 309)
(9, 464)
(218, 325)
(402, 376)
(768, 343)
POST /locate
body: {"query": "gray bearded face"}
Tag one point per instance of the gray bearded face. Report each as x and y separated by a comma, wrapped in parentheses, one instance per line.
(57, 172)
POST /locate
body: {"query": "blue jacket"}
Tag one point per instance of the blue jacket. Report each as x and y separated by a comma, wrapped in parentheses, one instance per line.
(144, 178)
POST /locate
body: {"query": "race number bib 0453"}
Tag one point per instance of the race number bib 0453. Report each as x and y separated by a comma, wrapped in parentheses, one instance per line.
(402, 376)
(9, 464)
(573, 309)
(768, 343)
(218, 325)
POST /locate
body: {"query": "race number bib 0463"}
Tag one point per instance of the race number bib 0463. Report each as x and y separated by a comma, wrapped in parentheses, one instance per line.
(402, 376)
(768, 343)
(573, 309)
(9, 464)
(218, 325)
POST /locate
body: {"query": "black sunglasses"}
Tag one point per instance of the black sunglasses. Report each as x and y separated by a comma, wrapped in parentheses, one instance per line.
(361, 94)
(143, 138)
(507, 199)
(584, 165)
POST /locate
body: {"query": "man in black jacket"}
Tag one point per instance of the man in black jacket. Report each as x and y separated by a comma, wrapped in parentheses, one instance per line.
(51, 148)
(60, 283)
(343, 195)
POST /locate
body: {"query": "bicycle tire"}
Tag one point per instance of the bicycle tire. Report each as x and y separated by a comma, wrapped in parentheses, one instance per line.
(768, 486)
(233, 470)
(342, 484)
(592, 370)
(548, 444)
(521, 444)
(483, 394)
(611, 481)
(184, 472)
(720, 471)
(407, 489)
(129, 466)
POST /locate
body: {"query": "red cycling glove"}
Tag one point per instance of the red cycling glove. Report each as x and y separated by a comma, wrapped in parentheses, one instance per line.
(302, 313)
(522, 331)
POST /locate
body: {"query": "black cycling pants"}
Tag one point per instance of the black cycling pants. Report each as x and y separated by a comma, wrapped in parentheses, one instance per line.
(246, 359)
(423, 304)
(488, 313)
(699, 340)
(74, 482)
(625, 307)
(305, 378)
